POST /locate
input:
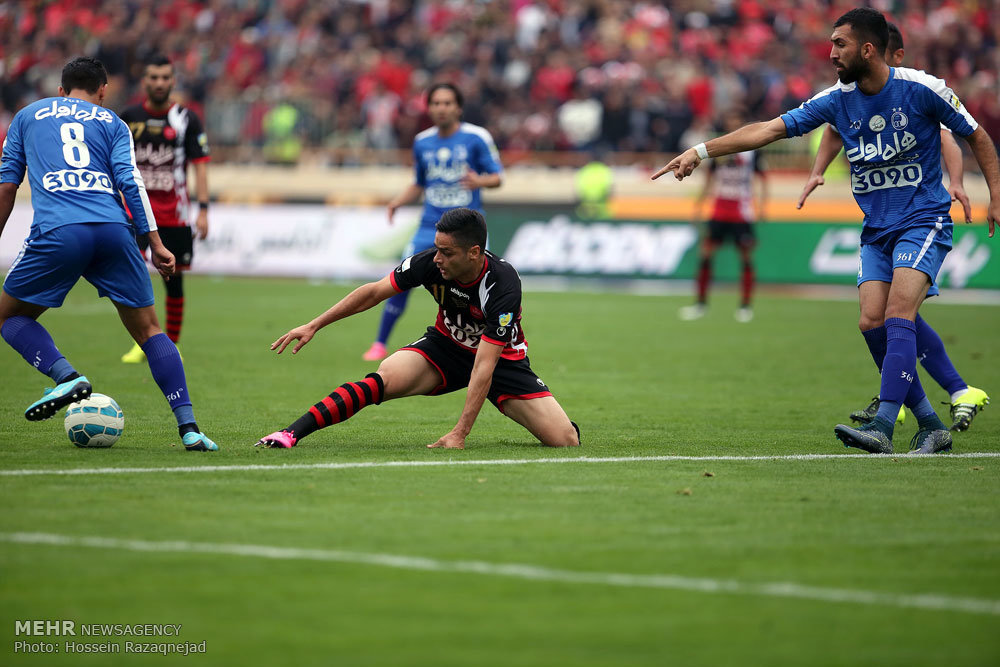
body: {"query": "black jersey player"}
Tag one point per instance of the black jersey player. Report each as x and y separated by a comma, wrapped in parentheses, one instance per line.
(477, 342)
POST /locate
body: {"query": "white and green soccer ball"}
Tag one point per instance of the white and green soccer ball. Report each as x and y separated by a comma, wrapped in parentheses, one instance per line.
(96, 421)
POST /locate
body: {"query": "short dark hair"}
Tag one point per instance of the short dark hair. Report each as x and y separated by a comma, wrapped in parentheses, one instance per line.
(468, 227)
(84, 73)
(895, 38)
(447, 86)
(157, 60)
(868, 25)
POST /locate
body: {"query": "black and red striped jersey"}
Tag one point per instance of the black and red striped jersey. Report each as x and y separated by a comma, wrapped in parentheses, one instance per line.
(734, 176)
(165, 142)
(488, 308)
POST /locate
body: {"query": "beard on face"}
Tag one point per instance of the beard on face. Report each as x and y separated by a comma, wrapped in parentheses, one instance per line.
(852, 71)
(158, 98)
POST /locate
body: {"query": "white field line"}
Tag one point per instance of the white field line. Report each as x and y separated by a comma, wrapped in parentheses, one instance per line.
(486, 462)
(927, 601)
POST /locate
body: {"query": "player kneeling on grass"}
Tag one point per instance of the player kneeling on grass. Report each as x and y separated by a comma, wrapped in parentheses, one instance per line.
(477, 342)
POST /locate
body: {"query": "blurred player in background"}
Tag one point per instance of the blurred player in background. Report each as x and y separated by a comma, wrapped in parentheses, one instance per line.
(966, 401)
(80, 163)
(889, 120)
(735, 209)
(168, 137)
(453, 161)
(476, 342)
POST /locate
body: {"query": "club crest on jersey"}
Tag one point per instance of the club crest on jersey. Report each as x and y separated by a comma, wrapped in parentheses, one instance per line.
(506, 318)
(899, 120)
(877, 123)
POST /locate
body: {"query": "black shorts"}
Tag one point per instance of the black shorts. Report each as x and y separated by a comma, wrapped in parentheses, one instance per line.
(178, 240)
(511, 379)
(740, 232)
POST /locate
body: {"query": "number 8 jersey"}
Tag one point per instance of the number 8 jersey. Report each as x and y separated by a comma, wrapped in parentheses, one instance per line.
(893, 141)
(79, 156)
(488, 308)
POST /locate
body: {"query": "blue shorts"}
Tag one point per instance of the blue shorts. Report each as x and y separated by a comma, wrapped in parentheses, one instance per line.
(922, 247)
(105, 253)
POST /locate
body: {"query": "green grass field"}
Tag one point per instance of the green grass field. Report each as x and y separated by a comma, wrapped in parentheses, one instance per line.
(777, 561)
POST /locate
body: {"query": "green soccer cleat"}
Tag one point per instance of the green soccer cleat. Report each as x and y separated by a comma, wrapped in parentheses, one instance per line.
(866, 415)
(930, 441)
(134, 356)
(865, 437)
(965, 407)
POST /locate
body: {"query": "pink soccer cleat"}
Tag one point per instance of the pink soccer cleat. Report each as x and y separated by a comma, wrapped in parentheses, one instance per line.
(277, 440)
(376, 352)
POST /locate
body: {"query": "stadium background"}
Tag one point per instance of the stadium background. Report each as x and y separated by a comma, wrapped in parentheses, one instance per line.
(310, 103)
(310, 109)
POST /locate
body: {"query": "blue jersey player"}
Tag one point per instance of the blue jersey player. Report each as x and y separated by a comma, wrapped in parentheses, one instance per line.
(453, 161)
(966, 400)
(81, 163)
(889, 120)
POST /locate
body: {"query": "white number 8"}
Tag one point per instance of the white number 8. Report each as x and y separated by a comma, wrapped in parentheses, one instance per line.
(73, 146)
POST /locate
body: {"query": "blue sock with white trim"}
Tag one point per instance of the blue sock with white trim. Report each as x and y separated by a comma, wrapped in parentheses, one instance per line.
(168, 370)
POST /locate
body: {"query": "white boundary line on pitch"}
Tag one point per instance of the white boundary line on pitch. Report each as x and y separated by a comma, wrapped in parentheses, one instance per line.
(781, 589)
(485, 462)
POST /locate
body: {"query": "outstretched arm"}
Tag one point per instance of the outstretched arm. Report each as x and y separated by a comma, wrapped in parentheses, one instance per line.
(986, 156)
(746, 138)
(829, 147)
(363, 298)
(952, 156)
(487, 357)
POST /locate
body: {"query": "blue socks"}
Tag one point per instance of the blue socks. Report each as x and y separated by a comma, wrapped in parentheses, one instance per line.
(168, 370)
(394, 308)
(931, 352)
(876, 340)
(34, 343)
(899, 369)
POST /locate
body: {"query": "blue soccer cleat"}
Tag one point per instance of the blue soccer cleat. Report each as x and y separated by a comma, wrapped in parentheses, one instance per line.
(198, 442)
(53, 400)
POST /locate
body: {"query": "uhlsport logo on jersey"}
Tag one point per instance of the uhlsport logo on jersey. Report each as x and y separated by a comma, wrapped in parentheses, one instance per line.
(506, 318)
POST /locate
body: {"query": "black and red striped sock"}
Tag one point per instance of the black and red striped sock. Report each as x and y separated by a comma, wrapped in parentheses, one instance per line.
(748, 281)
(175, 317)
(342, 403)
(704, 278)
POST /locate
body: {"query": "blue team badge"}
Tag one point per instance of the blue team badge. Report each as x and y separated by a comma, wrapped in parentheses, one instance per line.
(506, 318)
(899, 120)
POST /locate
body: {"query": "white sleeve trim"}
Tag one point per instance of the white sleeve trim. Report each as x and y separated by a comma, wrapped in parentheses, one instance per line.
(939, 88)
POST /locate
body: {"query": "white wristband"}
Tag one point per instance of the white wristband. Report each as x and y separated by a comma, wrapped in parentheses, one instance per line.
(701, 151)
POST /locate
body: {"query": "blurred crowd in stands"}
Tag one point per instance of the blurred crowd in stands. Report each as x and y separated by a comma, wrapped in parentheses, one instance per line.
(280, 77)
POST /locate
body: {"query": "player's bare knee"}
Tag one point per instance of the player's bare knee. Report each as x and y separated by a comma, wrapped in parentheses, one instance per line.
(868, 322)
(564, 437)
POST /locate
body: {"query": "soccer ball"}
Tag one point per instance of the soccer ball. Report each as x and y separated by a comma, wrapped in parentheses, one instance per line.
(94, 422)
